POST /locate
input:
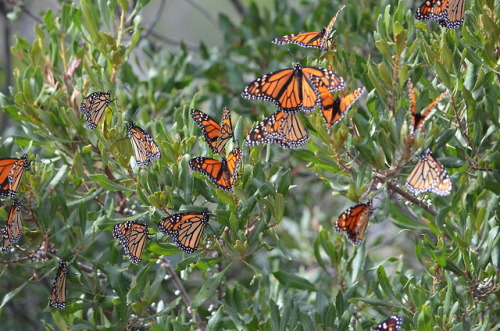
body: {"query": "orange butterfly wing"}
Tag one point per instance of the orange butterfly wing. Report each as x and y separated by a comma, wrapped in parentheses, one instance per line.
(143, 145)
(353, 221)
(11, 172)
(186, 229)
(393, 323)
(215, 135)
(93, 107)
(133, 236)
(14, 227)
(58, 292)
(333, 110)
(428, 176)
(448, 13)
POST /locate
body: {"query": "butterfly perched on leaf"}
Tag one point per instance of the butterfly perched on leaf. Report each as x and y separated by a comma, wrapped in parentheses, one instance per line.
(215, 135)
(186, 229)
(393, 323)
(353, 221)
(333, 110)
(222, 173)
(284, 129)
(143, 144)
(294, 89)
(428, 176)
(93, 107)
(58, 291)
(11, 172)
(448, 13)
(418, 119)
(13, 228)
(133, 236)
(310, 39)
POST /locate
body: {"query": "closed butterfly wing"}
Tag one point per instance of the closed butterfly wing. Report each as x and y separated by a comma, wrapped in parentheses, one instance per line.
(393, 323)
(284, 129)
(11, 172)
(428, 176)
(455, 13)
(93, 107)
(186, 229)
(58, 292)
(353, 221)
(13, 228)
(222, 173)
(333, 110)
(143, 145)
(215, 135)
(293, 89)
(448, 13)
(133, 236)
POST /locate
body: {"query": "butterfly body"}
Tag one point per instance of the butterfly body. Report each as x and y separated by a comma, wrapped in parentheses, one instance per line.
(429, 175)
(186, 229)
(334, 110)
(13, 228)
(393, 323)
(133, 236)
(143, 145)
(294, 89)
(222, 173)
(58, 291)
(215, 135)
(11, 172)
(353, 221)
(93, 107)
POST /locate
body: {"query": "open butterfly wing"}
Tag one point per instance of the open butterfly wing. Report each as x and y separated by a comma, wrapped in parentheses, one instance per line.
(334, 110)
(393, 323)
(353, 221)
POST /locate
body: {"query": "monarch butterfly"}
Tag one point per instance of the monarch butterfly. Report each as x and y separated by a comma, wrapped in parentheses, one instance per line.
(215, 135)
(143, 144)
(186, 229)
(14, 228)
(284, 129)
(393, 323)
(354, 221)
(294, 89)
(93, 107)
(418, 119)
(334, 110)
(428, 176)
(11, 171)
(222, 173)
(132, 236)
(310, 39)
(58, 292)
(448, 13)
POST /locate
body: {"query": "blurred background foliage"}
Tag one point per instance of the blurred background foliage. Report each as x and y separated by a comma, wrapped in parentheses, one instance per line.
(271, 258)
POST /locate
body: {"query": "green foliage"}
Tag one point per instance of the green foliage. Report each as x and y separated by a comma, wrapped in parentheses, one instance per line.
(270, 258)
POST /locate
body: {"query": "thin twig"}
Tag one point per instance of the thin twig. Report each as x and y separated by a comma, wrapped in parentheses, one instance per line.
(203, 11)
(239, 7)
(156, 19)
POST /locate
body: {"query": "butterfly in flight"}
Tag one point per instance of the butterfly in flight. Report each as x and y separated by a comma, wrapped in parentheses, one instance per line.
(353, 221)
(58, 292)
(13, 228)
(310, 39)
(215, 135)
(284, 129)
(143, 144)
(428, 176)
(186, 229)
(448, 13)
(418, 119)
(11, 171)
(133, 236)
(93, 107)
(393, 323)
(294, 89)
(222, 173)
(333, 110)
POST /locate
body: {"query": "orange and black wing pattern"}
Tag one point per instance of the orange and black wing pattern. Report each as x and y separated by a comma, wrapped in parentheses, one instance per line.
(310, 39)
(215, 135)
(186, 229)
(222, 173)
(418, 119)
(294, 89)
(333, 110)
(133, 236)
(393, 323)
(143, 145)
(13, 228)
(353, 221)
(284, 129)
(448, 13)
(429, 176)
(11, 172)
(58, 292)
(93, 107)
